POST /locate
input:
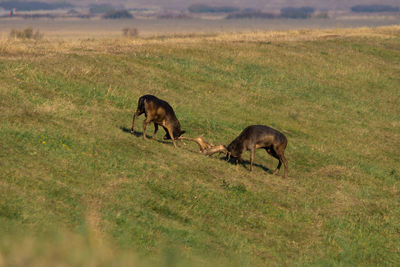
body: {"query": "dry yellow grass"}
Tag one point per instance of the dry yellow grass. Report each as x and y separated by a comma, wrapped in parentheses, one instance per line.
(104, 44)
(73, 29)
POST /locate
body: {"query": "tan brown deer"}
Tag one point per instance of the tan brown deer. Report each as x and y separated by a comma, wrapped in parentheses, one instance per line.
(252, 138)
(160, 113)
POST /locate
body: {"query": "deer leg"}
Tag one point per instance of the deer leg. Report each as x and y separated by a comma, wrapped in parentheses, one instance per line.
(278, 167)
(171, 135)
(133, 121)
(272, 152)
(253, 151)
(285, 163)
(155, 130)
(166, 132)
(279, 153)
(145, 122)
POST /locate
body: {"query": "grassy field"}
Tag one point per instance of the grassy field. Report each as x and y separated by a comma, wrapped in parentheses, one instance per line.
(77, 189)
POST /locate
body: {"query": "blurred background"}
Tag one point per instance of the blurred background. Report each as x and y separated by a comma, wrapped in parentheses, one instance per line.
(131, 18)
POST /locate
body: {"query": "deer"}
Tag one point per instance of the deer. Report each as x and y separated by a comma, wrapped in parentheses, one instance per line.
(160, 113)
(254, 137)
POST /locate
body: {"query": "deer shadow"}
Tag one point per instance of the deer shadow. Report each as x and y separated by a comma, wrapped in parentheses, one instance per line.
(140, 134)
(127, 130)
(246, 164)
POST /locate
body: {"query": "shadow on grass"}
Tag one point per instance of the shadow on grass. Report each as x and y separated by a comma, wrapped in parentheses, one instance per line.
(135, 133)
(127, 130)
(140, 134)
(243, 163)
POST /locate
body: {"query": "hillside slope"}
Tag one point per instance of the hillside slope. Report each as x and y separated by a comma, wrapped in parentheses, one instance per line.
(77, 188)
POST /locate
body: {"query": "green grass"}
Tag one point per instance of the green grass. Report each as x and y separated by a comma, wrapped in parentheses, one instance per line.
(77, 188)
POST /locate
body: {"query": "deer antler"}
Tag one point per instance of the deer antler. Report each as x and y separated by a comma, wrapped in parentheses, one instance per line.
(203, 144)
(215, 149)
(206, 148)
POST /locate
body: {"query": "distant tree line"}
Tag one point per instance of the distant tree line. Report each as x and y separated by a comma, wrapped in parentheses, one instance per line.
(374, 8)
(100, 8)
(297, 12)
(200, 8)
(173, 16)
(287, 12)
(252, 15)
(118, 14)
(109, 11)
(31, 6)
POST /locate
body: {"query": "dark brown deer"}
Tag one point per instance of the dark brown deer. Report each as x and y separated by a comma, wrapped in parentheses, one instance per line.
(160, 113)
(252, 138)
